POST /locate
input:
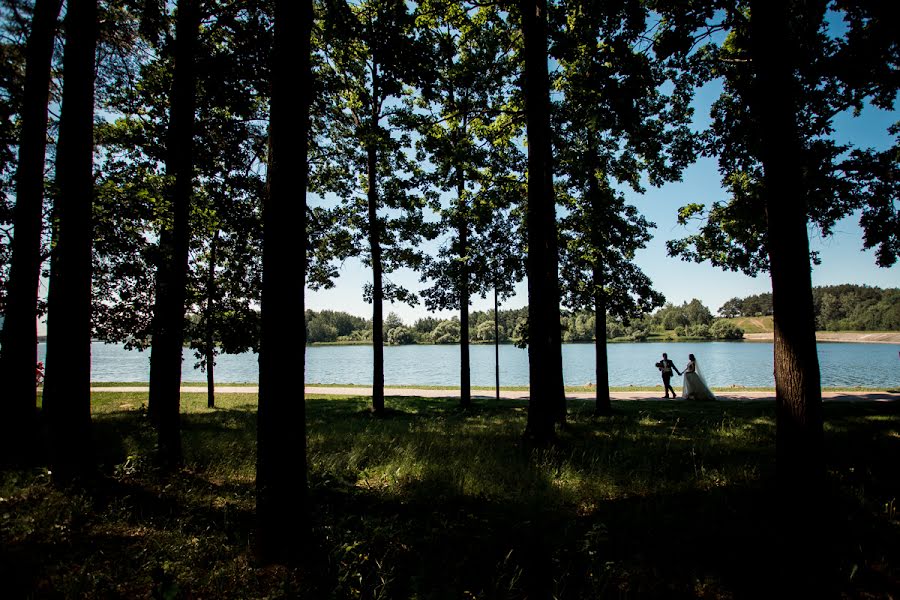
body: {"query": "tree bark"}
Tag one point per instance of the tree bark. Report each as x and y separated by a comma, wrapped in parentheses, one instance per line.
(211, 324)
(18, 348)
(281, 475)
(375, 250)
(602, 406)
(171, 282)
(465, 384)
(798, 395)
(67, 390)
(547, 396)
(497, 341)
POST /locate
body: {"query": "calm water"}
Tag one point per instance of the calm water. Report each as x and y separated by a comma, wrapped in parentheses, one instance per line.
(722, 363)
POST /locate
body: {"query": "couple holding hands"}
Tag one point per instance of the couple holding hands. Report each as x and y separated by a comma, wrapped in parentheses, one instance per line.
(694, 387)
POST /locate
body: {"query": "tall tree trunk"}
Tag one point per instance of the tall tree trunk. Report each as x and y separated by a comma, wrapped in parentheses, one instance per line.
(547, 397)
(211, 324)
(497, 341)
(18, 345)
(375, 250)
(281, 483)
(603, 406)
(171, 282)
(465, 384)
(798, 396)
(67, 391)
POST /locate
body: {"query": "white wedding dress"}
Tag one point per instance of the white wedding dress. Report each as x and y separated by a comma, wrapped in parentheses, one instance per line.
(695, 387)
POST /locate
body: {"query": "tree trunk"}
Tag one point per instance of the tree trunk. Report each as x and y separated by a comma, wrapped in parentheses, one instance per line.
(18, 346)
(281, 476)
(67, 391)
(547, 397)
(798, 395)
(168, 315)
(497, 341)
(375, 250)
(603, 406)
(211, 324)
(465, 384)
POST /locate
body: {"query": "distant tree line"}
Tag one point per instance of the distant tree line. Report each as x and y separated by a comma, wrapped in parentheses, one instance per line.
(845, 307)
(689, 320)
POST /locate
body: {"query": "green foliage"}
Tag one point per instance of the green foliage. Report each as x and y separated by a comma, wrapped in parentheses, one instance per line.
(692, 313)
(844, 307)
(839, 66)
(367, 57)
(330, 326)
(723, 330)
(462, 118)
(856, 308)
(447, 332)
(400, 335)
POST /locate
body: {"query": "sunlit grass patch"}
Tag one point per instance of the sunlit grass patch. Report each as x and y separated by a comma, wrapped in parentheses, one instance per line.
(430, 500)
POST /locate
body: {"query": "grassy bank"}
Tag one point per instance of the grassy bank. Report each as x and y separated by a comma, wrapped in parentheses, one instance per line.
(661, 500)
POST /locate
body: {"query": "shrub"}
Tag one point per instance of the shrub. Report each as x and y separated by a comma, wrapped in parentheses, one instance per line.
(724, 330)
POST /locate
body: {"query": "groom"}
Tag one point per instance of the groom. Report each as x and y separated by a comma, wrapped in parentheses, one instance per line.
(665, 367)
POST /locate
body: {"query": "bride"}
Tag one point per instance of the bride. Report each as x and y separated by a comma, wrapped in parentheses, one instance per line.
(695, 387)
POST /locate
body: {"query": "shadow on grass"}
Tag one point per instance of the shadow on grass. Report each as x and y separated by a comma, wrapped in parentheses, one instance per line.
(660, 500)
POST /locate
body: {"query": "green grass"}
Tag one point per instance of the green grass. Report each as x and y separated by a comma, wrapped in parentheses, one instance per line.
(660, 500)
(754, 324)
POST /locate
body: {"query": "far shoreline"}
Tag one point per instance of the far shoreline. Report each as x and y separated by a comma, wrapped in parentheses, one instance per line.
(857, 337)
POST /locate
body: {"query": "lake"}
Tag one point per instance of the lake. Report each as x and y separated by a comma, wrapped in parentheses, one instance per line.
(723, 364)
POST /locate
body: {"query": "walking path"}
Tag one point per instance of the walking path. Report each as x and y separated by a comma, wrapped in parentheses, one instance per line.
(888, 395)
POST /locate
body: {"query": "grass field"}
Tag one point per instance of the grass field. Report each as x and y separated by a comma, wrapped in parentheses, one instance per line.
(660, 500)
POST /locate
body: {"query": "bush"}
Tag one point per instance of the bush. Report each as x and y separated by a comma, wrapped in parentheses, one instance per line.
(447, 332)
(724, 330)
(399, 336)
(699, 331)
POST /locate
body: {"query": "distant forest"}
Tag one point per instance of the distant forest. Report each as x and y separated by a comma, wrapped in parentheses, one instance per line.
(838, 308)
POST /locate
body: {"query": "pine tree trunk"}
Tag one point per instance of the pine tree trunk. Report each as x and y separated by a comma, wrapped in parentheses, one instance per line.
(281, 475)
(18, 346)
(547, 397)
(375, 250)
(171, 283)
(465, 384)
(211, 324)
(67, 391)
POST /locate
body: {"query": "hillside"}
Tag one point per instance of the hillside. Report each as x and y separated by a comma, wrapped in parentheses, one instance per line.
(753, 324)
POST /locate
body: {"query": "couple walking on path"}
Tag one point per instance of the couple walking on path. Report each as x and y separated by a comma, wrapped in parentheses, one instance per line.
(694, 387)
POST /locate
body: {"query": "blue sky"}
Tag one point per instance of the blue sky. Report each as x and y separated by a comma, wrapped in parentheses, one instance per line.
(843, 260)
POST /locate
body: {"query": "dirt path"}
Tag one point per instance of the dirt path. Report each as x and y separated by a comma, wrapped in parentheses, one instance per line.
(739, 395)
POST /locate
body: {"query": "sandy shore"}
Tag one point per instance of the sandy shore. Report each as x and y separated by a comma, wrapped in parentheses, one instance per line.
(837, 336)
(728, 395)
